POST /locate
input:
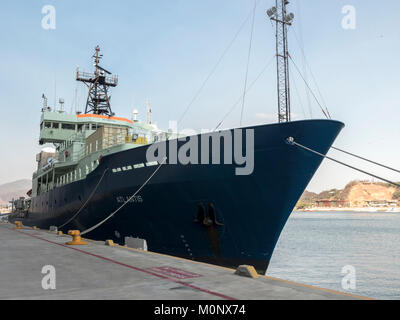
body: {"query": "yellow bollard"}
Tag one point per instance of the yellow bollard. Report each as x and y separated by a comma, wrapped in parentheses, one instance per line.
(60, 233)
(76, 238)
(18, 225)
(246, 271)
(110, 243)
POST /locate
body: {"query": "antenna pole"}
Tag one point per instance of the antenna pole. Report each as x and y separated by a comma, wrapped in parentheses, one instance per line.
(148, 112)
(282, 20)
(55, 92)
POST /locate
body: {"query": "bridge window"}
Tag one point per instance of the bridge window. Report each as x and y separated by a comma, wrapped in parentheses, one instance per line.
(95, 126)
(56, 125)
(68, 126)
(47, 125)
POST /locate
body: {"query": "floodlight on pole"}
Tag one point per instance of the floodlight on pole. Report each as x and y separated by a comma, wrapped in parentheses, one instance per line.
(289, 18)
(282, 20)
(271, 12)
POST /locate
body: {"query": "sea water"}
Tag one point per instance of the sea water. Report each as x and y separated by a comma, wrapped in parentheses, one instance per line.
(324, 249)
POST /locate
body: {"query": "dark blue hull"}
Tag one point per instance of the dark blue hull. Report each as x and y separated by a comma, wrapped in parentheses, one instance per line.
(250, 211)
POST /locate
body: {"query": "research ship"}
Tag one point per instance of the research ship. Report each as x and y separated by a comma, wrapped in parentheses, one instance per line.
(225, 203)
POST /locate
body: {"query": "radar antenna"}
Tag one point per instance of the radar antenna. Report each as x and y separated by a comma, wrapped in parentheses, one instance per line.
(282, 20)
(98, 101)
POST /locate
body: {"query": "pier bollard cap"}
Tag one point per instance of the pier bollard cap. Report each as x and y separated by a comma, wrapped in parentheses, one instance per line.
(18, 225)
(246, 271)
(110, 243)
(76, 238)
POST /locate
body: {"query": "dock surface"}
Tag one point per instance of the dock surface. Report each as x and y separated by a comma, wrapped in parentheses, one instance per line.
(97, 271)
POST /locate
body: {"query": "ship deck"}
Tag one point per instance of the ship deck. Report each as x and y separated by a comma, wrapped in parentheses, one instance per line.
(97, 271)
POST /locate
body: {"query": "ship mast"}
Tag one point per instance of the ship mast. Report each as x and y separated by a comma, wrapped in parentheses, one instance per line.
(98, 101)
(279, 14)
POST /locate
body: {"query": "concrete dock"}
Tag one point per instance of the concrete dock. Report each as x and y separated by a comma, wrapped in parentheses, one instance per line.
(97, 271)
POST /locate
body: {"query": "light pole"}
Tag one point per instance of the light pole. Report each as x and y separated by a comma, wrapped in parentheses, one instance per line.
(282, 19)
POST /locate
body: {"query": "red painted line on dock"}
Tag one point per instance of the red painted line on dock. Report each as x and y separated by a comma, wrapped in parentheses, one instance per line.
(133, 267)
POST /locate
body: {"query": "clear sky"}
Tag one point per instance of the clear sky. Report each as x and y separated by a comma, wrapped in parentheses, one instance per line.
(164, 50)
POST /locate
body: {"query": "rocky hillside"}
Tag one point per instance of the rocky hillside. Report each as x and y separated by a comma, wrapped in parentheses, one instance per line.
(355, 193)
(361, 192)
(14, 190)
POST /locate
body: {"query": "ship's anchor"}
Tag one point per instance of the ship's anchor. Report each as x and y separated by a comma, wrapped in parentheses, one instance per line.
(211, 223)
(212, 214)
(207, 220)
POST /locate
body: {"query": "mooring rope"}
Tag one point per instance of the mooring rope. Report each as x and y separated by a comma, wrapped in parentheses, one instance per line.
(247, 90)
(292, 142)
(365, 159)
(123, 205)
(248, 61)
(325, 112)
(216, 65)
(306, 64)
(86, 202)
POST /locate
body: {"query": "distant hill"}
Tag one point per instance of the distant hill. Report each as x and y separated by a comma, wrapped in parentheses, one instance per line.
(15, 189)
(355, 193)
